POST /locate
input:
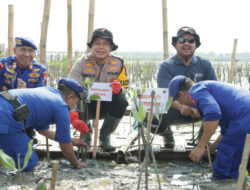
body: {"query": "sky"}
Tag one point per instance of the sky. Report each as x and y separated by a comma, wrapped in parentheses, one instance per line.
(135, 24)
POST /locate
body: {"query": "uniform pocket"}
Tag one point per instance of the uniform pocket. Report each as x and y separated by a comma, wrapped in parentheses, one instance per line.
(224, 159)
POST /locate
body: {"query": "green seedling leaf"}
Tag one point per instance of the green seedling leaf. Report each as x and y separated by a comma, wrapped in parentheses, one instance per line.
(28, 154)
(145, 70)
(157, 110)
(170, 100)
(136, 115)
(87, 81)
(94, 97)
(143, 89)
(42, 186)
(142, 113)
(7, 161)
(134, 94)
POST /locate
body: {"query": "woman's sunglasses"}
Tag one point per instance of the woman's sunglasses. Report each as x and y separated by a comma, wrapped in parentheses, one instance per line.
(189, 40)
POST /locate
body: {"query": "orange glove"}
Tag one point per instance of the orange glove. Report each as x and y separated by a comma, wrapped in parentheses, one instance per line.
(77, 123)
(116, 87)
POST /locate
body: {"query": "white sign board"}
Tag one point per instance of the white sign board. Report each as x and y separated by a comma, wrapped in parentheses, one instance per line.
(161, 96)
(104, 90)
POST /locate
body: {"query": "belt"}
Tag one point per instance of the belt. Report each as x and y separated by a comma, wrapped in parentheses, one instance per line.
(21, 112)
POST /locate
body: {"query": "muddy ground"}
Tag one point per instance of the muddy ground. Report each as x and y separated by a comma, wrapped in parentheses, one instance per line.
(103, 175)
(108, 175)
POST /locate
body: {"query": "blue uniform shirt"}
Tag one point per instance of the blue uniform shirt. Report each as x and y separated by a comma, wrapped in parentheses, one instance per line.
(221, 101)
(46, 106)
(35, 75)
(199, 69)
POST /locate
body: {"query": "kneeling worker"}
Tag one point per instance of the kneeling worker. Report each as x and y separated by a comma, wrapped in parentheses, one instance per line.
(39, 107)
(220, 104)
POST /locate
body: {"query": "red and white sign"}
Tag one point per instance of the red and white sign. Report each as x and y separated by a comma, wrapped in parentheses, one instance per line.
(161, 96)
(104, 90)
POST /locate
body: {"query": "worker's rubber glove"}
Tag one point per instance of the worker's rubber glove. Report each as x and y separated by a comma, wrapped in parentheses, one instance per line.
(77, 123)
(116, 87)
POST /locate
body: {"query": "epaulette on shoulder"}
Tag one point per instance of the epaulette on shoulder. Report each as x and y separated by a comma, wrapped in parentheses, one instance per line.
(39, 64)
(115, 56)
(9, 59)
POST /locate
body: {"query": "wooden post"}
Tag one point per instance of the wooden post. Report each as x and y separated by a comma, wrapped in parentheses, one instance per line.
(47, 149)
(97, 115)
(91, 20)
(165, 29)
(10, 32)
(54, 176)
(150, 117)
(45, 24)
(231, 73)
(69, 32)
(243, 165)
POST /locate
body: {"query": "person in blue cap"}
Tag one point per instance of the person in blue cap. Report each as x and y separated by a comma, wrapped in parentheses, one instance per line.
(39, 107)
(102, 66)
(219, 104)
(22, 71)
(183, 63)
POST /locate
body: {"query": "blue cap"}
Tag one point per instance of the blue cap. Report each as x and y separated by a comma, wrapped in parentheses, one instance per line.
(174, 86)
(25, 41)
(73, 84)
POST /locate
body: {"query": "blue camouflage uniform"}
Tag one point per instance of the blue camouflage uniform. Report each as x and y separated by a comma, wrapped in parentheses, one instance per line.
(199, 69)
(35, 75)
(231, 106)
(46, 106)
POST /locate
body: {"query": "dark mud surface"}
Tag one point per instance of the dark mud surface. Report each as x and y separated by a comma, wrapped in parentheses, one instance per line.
(104, 175)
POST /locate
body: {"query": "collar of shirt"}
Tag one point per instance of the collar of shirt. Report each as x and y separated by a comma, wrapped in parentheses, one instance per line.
(178, 61)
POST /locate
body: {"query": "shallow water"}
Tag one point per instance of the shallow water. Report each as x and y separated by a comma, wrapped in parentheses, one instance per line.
(103, 175)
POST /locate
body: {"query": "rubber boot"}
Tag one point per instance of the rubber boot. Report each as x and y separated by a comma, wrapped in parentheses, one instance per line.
(109, 126)
(168, 138)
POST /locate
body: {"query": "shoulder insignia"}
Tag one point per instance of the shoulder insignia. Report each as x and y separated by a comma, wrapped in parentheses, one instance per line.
(35, 75)
(14, 65)
(89, 70)
(30, 66)
(109, 60)
(122, 78)
(92, 60)
(89, 65)
(113, 68)
(114, 62)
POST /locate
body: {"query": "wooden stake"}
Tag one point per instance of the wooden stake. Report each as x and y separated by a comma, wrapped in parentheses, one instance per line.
(243, 165)
(44, 30)
(97, 115)
(69, 32)
(10, 31)
(165, 29)
(91, 20)
(54, 176)
(150, 117)
(232, 68)
(47, 149)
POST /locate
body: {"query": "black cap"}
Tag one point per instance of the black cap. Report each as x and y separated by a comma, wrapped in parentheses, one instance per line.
(102, 33)
(184, 30)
